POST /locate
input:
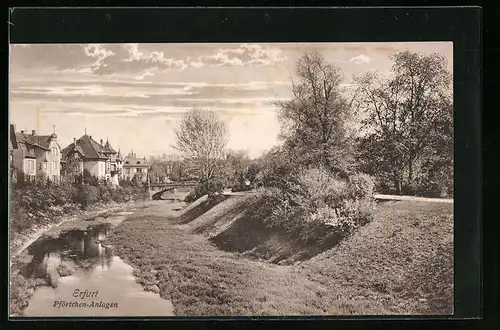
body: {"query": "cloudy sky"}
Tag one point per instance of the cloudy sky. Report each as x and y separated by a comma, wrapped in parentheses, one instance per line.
(135, 94)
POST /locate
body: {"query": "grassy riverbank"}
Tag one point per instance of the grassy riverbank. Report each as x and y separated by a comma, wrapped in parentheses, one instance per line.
(400, 263)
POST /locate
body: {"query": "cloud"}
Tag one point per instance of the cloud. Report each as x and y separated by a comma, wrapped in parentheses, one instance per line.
(142, 64)
(245, 54)
(99, 53)
(360, 59)
(137, 60)
(144, 92)
(196, 63)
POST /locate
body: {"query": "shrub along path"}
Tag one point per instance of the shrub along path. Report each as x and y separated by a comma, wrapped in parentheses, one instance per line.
(400, 263)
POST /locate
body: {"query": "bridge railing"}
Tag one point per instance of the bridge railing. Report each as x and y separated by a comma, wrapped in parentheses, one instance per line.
(177, 184)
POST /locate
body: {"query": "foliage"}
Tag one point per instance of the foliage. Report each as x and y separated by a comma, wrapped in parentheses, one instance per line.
(252, 172)
(242, 185)
(237, 161)
(409, 120)
(90, 179)
(316, 195)
(41, 178)
(38, 204)
(211, 187)
(136, 180)
(201, 139)
(314, 123)
(86, 194)
(275, 167)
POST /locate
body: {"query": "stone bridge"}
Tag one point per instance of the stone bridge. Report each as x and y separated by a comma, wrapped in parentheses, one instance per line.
(156, 190)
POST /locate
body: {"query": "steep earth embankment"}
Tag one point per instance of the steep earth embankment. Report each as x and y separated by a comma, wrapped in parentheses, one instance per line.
(400, 263)
(407, 249)
(229, 225)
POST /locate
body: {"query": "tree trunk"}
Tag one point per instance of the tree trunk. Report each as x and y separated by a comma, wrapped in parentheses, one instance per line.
(410, 174)
(397, 183)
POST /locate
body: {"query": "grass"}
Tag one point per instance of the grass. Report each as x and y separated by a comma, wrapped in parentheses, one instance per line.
(402, 256)
(400, 263)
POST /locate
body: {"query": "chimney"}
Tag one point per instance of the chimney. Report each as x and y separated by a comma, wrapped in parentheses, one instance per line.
(74, 142)
(22, 132)
(33, 132)
(101, 142)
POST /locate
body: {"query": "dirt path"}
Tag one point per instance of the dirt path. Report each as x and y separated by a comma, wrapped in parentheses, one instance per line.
(412, 198)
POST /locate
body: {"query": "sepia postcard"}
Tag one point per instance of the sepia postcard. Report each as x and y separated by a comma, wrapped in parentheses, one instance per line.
(231, 179)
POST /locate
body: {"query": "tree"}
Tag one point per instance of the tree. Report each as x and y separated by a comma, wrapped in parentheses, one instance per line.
(403, 113)
(201, 139)
(252, 171)
(314, 122)
(41, 178)
(72, 170)
(157, 169)
(237, 162)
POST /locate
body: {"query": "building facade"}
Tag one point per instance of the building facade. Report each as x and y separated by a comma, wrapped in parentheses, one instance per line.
(12, 146)
(99, 159)
(135, 167)
(37, 156)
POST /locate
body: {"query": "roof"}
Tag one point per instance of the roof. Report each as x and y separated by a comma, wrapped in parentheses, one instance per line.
(108, 149)
(119, 156)
(40, 141)
(87, 147)
(130, 161)
(29, 154)
(12, 139)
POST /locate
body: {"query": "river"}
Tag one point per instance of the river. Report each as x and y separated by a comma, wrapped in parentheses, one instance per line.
(97, 282)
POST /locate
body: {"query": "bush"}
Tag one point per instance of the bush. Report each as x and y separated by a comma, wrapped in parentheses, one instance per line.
(37, 204)
(210, 187)
(242, 186)
(86, 195)
(316, 195)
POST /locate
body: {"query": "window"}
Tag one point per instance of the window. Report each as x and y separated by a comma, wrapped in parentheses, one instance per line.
(54, 166)
(54, 178)
(139, 170)
(75, 155)
(54, 151)
(45, 167)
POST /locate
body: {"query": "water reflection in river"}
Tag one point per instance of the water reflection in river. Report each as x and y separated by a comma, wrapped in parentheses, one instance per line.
(90, 265)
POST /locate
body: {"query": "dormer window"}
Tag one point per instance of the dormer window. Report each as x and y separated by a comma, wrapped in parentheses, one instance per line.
(138, 163)
(75, 155)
